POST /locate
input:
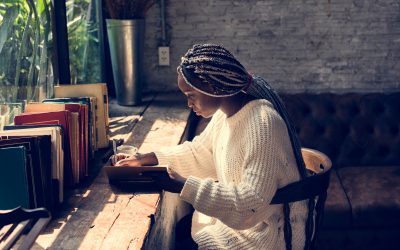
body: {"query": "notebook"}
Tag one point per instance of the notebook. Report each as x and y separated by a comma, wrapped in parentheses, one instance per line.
(57, 151)
(38, 167)
(13, 178)
(135, 178)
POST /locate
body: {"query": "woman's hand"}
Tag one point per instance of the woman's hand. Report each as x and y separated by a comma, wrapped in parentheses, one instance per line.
(175, 176)
(137, 160)
(173, 182)
(126, 160)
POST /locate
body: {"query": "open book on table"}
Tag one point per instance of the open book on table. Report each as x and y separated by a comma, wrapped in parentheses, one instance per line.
(139, 178)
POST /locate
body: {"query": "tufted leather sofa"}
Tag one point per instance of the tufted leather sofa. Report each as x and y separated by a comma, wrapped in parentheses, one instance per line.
(361, 135)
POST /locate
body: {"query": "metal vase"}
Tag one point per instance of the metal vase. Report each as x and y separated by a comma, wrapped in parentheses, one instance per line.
(126, 40)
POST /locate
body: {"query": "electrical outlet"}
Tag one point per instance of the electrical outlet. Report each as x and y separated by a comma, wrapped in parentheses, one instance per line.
(163, 56)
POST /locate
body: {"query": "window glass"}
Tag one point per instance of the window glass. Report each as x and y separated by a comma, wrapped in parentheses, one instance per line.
(26, 71)
(83, 39)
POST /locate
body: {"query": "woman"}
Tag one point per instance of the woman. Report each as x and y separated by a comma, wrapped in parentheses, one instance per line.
(231, 171)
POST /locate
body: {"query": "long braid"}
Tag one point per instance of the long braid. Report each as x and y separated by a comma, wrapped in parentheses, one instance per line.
(261, 89)
(221, 75)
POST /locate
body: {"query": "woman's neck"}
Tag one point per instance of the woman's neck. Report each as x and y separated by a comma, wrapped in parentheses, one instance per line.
(232, 104)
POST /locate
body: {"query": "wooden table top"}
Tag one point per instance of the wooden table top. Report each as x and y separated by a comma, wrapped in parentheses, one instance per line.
(96, 216)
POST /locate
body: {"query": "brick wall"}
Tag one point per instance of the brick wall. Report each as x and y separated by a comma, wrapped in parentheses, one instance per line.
(298, 45)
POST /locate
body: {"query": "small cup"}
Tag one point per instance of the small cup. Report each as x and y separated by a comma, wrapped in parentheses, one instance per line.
(127, 149)
(123, 149)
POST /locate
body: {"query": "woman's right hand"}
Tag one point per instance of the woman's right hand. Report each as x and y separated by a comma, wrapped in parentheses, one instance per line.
(137, 160)
(125, 160)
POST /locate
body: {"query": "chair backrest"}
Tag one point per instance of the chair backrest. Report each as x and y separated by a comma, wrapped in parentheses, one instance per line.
(316, 161)
(313, 188)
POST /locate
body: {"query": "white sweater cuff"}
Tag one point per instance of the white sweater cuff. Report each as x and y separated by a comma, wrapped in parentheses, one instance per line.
(162, 158)
(190, 188)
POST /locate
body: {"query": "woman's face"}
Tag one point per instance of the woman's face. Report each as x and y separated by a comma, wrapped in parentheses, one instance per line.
(200, 103)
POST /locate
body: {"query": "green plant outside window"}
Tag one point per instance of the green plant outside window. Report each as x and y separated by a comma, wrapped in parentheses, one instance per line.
(26, 71)
(83, 42)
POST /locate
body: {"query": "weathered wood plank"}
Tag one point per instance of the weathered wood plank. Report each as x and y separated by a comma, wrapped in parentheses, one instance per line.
(162, 125)
(133, 223)
(116, 110)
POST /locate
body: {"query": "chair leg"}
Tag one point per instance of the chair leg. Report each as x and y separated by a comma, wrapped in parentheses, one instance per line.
(310, 223)
(318, 218)
(287, 227)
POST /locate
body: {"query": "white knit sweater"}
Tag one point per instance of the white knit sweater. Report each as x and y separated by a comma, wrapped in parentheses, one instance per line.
(233, 170)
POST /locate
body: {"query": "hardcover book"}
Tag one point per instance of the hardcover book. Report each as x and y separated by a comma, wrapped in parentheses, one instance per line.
(63, 118)
(14, 189)
(57, 152)
(38, 167)
(90, 115)
(98, 90)
(78, 136)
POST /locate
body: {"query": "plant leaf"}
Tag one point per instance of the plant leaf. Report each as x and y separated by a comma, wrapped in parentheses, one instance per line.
(40, 6)
(9, 19)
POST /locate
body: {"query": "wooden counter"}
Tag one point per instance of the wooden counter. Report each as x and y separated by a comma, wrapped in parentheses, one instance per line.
(96, 216)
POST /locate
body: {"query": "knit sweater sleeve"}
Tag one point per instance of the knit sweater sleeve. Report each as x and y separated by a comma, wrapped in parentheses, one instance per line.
(192, 157)
(243, 205)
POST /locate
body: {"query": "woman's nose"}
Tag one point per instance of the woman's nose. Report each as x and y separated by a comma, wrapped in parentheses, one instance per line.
(190, 104)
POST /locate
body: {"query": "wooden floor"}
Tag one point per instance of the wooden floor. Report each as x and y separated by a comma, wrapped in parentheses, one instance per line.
(96, 215)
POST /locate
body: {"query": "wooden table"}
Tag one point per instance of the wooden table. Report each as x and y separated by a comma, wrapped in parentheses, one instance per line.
(96, 216)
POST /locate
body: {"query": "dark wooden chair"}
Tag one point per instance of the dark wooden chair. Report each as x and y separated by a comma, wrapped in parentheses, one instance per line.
(23, 224)
(313, 187)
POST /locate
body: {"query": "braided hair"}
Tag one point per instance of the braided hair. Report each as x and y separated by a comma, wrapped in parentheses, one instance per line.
(220, 74)
(213, 70)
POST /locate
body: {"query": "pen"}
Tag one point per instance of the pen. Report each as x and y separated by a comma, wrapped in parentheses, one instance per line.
(114, 150)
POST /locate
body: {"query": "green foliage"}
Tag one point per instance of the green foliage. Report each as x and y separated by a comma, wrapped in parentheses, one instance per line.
(26, 40)
(84, 52)
(25, 37)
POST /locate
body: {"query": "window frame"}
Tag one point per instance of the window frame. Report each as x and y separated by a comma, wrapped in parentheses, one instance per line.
(62, 72)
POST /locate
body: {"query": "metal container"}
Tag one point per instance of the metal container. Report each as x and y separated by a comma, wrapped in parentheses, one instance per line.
(126, 40)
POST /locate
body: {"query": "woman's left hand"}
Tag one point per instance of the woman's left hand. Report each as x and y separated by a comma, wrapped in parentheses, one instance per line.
(172, 183)
(174, 175)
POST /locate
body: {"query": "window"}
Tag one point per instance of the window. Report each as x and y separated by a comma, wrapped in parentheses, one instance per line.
(28, 47)
(83, 38)
(26, 71)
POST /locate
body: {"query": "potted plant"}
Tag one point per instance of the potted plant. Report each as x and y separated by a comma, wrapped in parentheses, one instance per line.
(125, 31)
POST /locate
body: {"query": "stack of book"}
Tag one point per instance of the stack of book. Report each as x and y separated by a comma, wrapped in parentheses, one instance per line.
(49, 145)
